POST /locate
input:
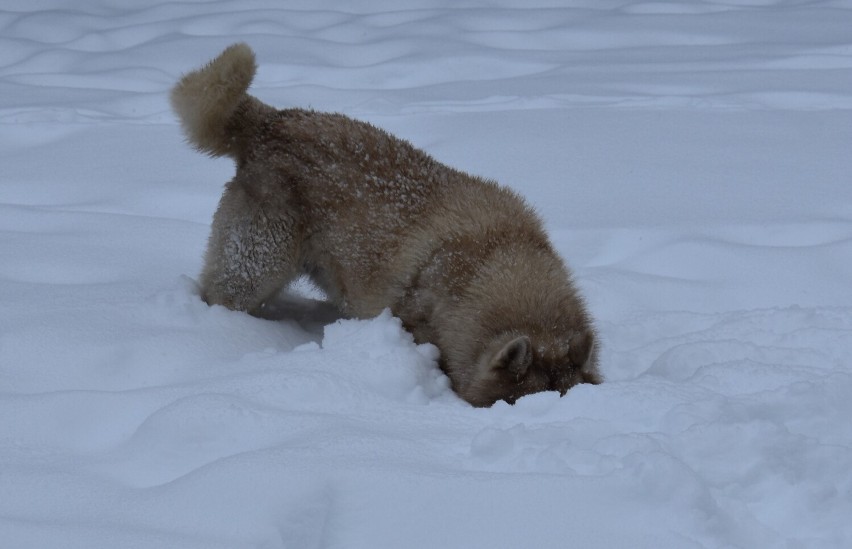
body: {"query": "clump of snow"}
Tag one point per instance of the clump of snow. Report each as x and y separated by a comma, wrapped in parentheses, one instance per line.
(690, 159)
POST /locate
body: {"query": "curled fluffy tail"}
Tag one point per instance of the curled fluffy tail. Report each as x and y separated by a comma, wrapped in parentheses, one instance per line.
(205, 100)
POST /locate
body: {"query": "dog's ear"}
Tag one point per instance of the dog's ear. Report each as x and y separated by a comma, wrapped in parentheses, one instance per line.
(581, 348)
(515, 357)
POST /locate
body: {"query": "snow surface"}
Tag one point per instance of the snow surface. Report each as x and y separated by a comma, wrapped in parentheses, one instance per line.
(690, 158)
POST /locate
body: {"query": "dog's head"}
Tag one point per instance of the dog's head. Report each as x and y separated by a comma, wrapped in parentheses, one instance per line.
(514, 365)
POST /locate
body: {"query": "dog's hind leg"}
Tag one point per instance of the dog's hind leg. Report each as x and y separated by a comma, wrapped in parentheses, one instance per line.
(253, 251)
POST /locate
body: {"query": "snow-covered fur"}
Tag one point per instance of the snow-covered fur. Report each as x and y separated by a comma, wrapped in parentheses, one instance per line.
(377, 223)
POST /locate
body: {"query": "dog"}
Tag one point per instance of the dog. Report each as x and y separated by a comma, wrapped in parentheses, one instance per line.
(377, 223)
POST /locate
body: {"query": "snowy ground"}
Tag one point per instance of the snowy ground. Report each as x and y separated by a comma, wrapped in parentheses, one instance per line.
(692, 162)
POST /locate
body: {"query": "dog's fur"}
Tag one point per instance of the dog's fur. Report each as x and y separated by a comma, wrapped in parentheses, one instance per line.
(377, 223)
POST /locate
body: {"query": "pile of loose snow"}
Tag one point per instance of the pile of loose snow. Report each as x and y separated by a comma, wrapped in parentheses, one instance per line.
(690, 159)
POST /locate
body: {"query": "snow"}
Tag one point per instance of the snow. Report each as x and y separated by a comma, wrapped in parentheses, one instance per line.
(691, 162)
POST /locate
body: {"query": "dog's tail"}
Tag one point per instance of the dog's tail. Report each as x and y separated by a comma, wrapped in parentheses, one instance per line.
(206, 100)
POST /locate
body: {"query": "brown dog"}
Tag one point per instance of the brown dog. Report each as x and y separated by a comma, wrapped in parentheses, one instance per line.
(376, 223)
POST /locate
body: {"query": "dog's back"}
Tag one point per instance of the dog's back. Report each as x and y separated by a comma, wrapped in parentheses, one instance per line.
(378, 223)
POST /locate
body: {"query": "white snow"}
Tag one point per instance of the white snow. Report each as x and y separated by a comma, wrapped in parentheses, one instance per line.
(691, 160)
